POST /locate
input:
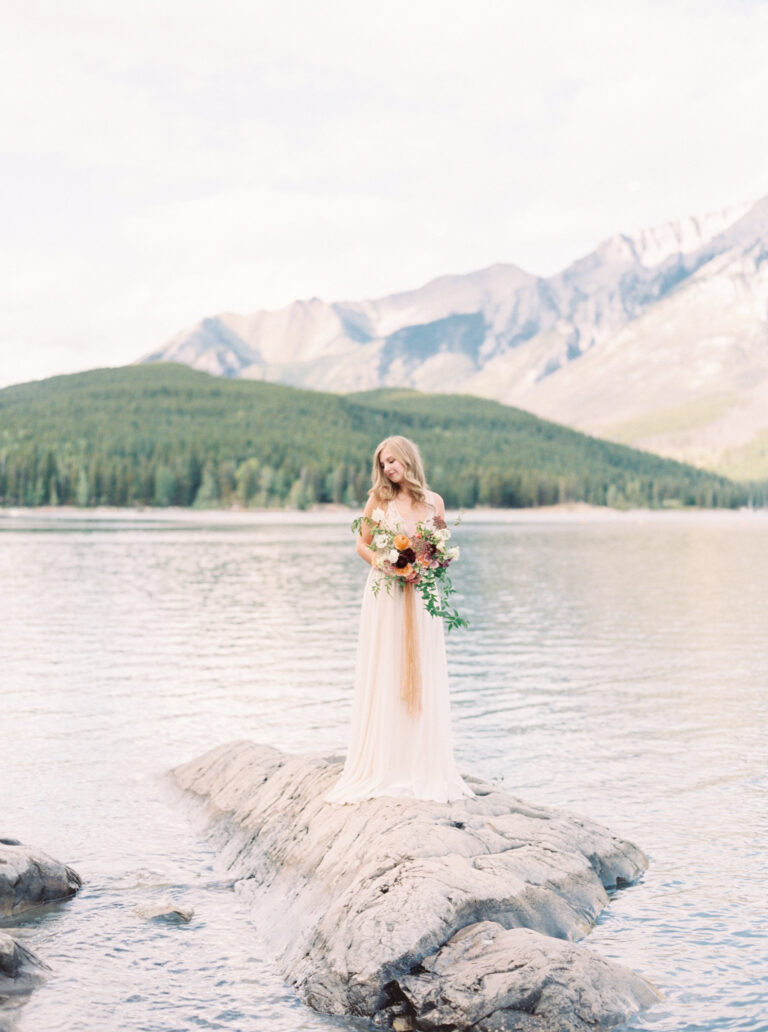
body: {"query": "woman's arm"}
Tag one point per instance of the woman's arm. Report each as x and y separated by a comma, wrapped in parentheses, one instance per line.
(439, 505)
(366, 536)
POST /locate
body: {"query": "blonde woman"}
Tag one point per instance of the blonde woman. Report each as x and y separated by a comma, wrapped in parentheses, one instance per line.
(400, 741)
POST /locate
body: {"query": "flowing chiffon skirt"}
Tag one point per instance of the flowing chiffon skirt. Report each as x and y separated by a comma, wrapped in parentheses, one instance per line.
(392, 753)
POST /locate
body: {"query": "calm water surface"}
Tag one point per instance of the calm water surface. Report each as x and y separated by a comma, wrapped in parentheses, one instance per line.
(616, 666)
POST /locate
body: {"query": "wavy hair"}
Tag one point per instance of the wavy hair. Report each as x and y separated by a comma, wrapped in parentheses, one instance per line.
(407, 452)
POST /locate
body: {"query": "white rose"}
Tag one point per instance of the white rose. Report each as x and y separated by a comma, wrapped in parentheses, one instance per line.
(393, 555)
(377, 515)
(444, 534)
(380, 541)
(453, 553)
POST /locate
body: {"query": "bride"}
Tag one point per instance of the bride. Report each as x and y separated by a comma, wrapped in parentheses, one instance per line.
(399, 746)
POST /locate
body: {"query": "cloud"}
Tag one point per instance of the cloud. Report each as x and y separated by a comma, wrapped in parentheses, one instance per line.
(165, 161)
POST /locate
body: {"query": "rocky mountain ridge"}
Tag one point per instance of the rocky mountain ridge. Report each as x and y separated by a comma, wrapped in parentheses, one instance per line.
(658, 339)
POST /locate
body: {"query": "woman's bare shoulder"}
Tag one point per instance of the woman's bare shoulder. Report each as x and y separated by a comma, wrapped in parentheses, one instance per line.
(436, 501)
(374, 502)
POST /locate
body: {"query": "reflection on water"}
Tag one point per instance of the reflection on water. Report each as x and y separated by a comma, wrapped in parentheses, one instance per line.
(616, 667)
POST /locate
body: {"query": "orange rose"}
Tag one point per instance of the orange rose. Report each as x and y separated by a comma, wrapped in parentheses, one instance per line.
(424, 560)
(401, 542)
(405, 571)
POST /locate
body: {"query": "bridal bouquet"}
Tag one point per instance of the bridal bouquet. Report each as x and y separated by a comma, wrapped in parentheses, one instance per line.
(421, 560)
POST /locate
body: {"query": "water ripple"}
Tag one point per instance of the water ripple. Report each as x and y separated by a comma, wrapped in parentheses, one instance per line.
(616, 668)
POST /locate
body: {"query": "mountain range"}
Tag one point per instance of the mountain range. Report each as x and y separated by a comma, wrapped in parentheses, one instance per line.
(658, 339)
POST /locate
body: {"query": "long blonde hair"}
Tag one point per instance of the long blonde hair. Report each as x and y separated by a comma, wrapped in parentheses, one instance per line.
(407, 452)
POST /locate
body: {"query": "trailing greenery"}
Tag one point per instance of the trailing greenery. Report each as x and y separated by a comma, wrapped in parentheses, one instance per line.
(164, 434)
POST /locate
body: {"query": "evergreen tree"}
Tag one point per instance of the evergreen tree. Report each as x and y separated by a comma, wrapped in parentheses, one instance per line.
(207, 496)
(247, 478)
(298, 497)
(165, 486)
(165, 435)
(82, 494)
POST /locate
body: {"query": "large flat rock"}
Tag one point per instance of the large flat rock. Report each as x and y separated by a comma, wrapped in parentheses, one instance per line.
(365, 905)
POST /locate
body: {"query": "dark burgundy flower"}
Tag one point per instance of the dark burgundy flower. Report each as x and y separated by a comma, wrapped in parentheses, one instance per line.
(406, 556)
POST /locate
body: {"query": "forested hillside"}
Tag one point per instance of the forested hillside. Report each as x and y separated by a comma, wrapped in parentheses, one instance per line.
(167, 435)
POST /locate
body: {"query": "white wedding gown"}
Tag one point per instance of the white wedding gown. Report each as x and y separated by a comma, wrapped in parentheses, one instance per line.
(392, 753)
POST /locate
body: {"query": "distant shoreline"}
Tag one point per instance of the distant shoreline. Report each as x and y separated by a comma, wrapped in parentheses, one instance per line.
(330, 513)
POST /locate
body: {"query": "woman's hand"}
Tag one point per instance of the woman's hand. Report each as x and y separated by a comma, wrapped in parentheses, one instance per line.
(365, 536)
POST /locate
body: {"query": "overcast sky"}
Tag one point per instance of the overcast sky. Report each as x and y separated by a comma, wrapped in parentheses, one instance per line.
(163, 160)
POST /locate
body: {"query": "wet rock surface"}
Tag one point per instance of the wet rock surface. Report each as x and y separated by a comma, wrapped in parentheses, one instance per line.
(491, 978)
(420, 914)
(30, 878)
(164, 911)
(20, 969)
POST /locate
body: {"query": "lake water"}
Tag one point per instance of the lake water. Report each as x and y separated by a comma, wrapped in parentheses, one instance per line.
(616, 666)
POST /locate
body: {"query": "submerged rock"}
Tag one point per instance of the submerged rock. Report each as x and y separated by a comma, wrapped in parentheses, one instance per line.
(30, 878)
(20, 969)
(391, 908)
(166, 911)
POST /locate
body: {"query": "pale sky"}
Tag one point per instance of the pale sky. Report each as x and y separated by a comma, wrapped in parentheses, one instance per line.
(164, 160)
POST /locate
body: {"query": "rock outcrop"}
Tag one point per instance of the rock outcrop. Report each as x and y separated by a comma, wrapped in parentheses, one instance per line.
(419, 914)
(20, 969)
(30, 878)
(491, 979)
